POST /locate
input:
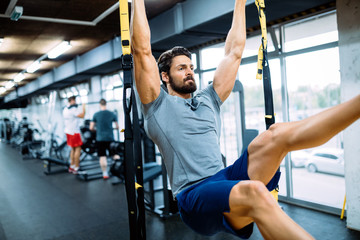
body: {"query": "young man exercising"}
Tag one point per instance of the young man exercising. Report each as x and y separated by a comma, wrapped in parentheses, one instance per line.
(102, 123)
(187, 132)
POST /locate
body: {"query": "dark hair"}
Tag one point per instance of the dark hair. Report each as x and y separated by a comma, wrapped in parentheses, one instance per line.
(102, 102)
(165, 59)
(71, 98)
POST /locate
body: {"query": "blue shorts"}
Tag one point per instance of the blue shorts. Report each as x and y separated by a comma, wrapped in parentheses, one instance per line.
(201, 206)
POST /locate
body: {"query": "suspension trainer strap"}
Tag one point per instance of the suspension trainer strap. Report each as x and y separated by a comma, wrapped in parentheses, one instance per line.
(133, 152)
(263, 73)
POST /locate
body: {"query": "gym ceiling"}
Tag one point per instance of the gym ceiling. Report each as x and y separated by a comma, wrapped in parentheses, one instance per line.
(91, 24)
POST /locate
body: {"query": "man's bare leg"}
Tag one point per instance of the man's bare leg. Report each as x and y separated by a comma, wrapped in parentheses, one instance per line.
(77, 152)
(265, 155)
(268, 149)
(72, 159)
(103, 163)
(252, 199)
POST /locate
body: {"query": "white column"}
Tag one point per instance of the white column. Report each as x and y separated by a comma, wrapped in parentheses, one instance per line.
(348, 17)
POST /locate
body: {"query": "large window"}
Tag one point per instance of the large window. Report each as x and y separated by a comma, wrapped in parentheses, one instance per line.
(314, 85)
(112, 92)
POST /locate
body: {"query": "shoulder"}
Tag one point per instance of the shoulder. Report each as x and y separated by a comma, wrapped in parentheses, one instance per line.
(210, 94)
(149, 108)
(210, 91)
(96, 115)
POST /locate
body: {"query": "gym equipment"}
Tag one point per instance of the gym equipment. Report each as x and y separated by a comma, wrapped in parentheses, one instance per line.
(133, 152)
(31, 147)
(5, 129)
(247, 134)
(117, 169)
(89, 162)
(264, 73)
(263, 67)
(152, 172)
(56, 157)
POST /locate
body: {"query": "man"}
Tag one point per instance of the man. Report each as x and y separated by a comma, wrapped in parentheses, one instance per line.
(102, 121)
(72, 116)
(187, 131)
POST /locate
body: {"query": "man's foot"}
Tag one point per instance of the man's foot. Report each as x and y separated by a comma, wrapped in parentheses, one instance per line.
(75, 170)
(105, 175)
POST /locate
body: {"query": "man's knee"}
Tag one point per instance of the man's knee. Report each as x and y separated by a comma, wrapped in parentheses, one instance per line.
(253, 194)
(257, 189)
(280, 134)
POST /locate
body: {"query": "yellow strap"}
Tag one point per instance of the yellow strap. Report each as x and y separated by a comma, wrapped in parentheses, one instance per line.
(275, 194)
(260, 4)
(137, 186)
(343, 209)
(124, 27)
(269, 116)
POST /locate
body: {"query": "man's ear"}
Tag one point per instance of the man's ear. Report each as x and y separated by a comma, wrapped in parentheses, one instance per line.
(165, 77)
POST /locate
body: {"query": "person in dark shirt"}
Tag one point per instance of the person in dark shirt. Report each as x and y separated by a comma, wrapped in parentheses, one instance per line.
(103, 123)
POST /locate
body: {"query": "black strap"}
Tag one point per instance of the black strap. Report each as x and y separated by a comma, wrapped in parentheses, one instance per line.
(268, 96)
(264, 73)
(133, 155)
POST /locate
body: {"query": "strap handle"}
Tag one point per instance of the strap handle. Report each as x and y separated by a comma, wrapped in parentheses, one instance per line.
(133, 152)
(125, 29)
(260, 4)
(263, 73)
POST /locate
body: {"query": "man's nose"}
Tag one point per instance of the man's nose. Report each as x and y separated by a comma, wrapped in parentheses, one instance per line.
(189, 71)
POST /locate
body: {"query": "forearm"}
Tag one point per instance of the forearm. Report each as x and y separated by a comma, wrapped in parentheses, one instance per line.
(139, 29)
(235, 41)
(82, 115)
(92, 126)
(225, 74)
(147, 77)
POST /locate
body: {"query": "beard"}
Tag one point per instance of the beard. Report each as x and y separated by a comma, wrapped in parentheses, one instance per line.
(189, 87)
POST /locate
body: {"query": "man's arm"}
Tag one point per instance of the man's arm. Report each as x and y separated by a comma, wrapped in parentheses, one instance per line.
(116, 125)
(225, 74)
(92, 126)
(147, 77)
(82, 114)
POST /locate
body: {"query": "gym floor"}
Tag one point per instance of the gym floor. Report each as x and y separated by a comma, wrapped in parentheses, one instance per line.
(36, 206)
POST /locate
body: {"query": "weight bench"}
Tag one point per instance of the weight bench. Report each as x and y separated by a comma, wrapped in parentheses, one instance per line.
(49, 162)
(151, 172)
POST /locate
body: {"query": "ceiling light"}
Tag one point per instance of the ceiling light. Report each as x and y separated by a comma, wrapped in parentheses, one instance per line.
(9, 84)
(1, 41)
(69, 94)
(60, 49)
(2, 90)
(16, 13)
(34, 67)
(19, 77)
(83, 92)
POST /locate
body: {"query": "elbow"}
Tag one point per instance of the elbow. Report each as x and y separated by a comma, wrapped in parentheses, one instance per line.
(237, 49)
(142, 51)
(140, 45)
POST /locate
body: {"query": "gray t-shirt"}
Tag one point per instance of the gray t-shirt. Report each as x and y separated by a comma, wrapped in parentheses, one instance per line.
(187, 133)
